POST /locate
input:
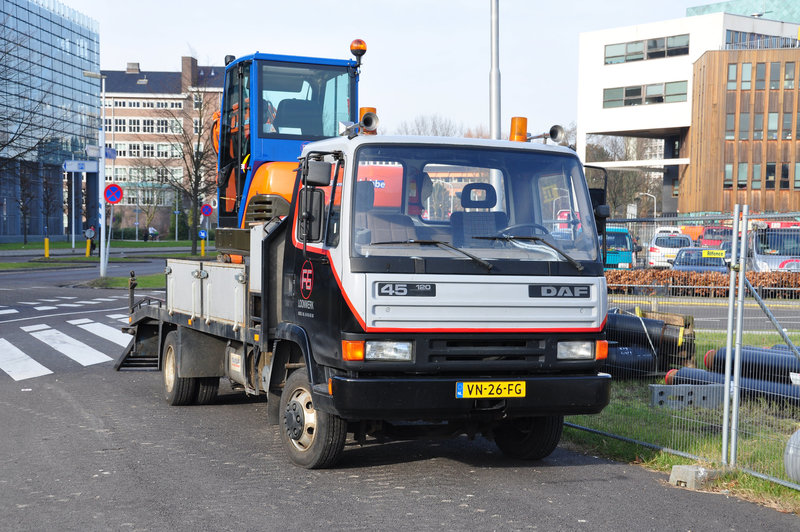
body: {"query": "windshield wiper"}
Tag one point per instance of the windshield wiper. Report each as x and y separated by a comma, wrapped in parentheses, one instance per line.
(437, 243)
(578, 265)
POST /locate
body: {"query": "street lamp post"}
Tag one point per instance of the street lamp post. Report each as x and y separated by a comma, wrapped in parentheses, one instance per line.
(101, 171)
(655, 211)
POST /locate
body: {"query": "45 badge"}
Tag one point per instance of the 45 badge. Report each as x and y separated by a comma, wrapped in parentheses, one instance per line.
(306, 279)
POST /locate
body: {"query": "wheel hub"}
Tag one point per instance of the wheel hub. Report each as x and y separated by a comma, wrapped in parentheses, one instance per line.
(294, 417)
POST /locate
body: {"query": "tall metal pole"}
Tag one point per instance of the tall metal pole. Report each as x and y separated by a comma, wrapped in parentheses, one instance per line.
(101, 177)
(177, 213)
(72, 207)
(494, 98)
(494, 76)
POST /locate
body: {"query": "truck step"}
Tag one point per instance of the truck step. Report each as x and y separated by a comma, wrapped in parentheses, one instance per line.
(139, 363)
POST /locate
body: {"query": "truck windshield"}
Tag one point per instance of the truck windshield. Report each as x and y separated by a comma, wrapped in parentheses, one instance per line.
(778, 242)
(618, 241)
(298, 100)
(488, 202)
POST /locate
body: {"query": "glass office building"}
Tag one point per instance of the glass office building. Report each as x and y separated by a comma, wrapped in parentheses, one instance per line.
(48, 111)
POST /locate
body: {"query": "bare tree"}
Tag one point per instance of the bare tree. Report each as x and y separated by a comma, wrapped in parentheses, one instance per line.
(623, 185)
(26, 196)
(479, 132)
(52, 202)
(191, 151)
(148, 190)
(434, 126)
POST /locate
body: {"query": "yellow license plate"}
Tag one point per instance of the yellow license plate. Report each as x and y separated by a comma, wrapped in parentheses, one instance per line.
(489, 389)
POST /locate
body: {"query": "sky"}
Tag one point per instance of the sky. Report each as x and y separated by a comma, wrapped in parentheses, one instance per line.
(424, 57)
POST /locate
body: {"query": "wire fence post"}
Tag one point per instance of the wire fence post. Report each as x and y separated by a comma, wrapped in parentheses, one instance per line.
(737, 364)
(729, 339)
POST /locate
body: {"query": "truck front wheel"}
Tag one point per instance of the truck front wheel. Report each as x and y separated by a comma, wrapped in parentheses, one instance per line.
(531, 438)
(313, 439)
(177, 391)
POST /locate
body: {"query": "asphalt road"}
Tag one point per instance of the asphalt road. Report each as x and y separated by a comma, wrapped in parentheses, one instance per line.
(87, 448)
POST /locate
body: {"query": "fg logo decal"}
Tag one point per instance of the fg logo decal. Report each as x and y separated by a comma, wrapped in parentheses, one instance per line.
(306, 280)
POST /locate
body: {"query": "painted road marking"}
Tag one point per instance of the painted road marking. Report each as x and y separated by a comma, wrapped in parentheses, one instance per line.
(103, 331)
(8, 311)
(45, 308)
(119, 317)
(74, 349)
(17, 364)
(34, 328)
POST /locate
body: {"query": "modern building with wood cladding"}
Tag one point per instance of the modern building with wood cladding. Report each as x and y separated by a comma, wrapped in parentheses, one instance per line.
(744, 142)
(680, 82)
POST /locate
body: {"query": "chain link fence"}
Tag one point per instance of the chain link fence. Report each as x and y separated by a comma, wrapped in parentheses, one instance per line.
(685, 335)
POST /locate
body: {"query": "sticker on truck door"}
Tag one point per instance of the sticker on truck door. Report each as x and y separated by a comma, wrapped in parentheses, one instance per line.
(306, 279)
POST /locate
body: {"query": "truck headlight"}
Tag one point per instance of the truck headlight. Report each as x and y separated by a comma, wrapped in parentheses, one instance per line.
(575, 350)
(403, 351)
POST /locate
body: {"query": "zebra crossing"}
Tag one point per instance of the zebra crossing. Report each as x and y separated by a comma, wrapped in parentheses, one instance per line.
(60, 303)
(52, 341)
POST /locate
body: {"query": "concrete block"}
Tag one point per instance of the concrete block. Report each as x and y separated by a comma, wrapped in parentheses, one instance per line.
(693, 477)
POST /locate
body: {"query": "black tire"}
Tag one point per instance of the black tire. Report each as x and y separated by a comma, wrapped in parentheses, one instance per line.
(207, 388)
(531, 438)
(177, 391)
(313, 439)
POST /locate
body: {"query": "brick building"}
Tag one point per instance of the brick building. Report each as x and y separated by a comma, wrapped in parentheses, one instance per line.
(158, 123)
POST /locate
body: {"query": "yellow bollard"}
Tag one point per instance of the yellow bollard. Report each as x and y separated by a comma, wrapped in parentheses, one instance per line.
(202, 248)
(46, 248)
(88, 246)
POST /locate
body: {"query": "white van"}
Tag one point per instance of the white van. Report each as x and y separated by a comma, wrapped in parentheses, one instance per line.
(774, 250)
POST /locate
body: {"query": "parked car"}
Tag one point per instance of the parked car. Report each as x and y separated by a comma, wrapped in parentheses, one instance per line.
(727, 247)
(700, 260)
(665, 247)
(667, 230)
(713, 235)
(773, 250)
(620, 248)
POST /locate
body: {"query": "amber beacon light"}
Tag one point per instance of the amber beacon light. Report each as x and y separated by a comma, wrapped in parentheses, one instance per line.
(519, 129)
(358, 48)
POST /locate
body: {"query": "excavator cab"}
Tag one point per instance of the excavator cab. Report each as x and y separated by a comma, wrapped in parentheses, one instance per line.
(272, 105)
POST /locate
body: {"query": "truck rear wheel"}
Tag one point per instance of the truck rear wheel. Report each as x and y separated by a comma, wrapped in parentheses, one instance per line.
(207, 388)
(531, 438)
(313, 439)
(177, 391)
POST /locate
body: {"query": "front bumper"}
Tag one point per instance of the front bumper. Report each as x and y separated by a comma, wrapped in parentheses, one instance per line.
(434, 398)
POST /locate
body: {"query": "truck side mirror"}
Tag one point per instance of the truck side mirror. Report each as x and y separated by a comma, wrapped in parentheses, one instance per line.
(310, 215)
(318, 173)
(601, 212)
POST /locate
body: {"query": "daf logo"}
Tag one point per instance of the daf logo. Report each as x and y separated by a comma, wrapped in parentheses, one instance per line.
(559, 290)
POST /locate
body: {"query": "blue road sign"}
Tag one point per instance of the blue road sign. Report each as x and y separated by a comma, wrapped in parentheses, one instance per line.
(79, 166)
(202, 234)
(113, 193)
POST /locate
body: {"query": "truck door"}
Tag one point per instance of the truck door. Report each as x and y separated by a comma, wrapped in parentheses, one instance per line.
(234, 143)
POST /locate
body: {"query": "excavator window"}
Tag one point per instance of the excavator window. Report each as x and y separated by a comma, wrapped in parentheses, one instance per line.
(235, 140)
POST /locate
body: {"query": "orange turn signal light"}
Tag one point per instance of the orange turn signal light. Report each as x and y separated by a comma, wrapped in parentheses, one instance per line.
(601, 350)
(353, 350)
